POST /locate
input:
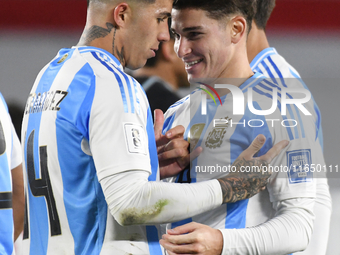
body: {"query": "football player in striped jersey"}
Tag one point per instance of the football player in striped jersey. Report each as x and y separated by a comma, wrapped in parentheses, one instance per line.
(211, 39)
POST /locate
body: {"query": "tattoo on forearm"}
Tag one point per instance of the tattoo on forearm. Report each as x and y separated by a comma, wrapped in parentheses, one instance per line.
(121, 55)
(241, 185)
(255, 163)
(96, 32)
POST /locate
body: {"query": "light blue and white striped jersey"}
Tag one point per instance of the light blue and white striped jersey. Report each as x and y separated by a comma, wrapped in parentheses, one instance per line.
(223, 144)
(274, 66)
(85, 119)
(10, 157)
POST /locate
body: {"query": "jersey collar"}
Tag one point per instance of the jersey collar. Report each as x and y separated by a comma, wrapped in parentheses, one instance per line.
(111, 58)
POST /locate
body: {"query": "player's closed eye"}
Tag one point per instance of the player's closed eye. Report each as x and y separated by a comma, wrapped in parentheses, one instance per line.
(159, 20)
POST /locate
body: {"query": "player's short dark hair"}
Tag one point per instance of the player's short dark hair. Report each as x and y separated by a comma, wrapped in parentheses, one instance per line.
(263, 12)
(219, 9)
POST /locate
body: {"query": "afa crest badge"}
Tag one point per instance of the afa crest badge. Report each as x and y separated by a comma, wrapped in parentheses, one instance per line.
(215, 137)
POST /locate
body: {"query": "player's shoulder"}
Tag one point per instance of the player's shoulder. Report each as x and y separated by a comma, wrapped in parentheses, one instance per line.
(273, 65)
(101, 62)
(181, 105)
(108, 71)
(4, 118)
(261, 91)
(281, 65)
(282, 87)
(3, 102)
(257, 83)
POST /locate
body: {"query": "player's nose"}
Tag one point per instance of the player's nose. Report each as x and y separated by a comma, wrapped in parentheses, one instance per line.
(163, 35)
(182, 47)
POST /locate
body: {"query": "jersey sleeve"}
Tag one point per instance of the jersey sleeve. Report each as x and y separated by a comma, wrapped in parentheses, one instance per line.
(132, 199)
(117, 127)
(293, 176)
(293, 225)
(294, 169)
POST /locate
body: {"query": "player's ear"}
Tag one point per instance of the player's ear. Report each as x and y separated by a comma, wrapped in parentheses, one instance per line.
(121, 13)
(238, 27)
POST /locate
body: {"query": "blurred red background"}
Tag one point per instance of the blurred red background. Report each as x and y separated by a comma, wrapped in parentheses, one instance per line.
(296, 15)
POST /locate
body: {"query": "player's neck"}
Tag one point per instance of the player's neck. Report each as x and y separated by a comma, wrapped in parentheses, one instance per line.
(105, 37)
(238, 66)
(257, 41)
(102, 32)
(236, 72)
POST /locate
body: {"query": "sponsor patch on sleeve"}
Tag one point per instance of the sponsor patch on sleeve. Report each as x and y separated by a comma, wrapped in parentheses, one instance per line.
(299, 162)
(135, 138)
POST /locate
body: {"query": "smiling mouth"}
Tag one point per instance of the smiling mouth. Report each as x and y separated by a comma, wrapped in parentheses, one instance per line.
(190, 64)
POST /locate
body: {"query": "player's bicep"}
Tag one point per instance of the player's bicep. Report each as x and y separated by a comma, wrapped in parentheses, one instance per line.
(117, 136)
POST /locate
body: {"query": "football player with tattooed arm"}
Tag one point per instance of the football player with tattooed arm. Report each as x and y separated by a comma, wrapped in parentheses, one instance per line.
(91, 162)
(211, 39)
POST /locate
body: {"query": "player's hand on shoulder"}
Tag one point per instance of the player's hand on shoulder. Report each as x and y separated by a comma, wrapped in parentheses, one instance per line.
(172, 149)
(193, 238)
(248, 174)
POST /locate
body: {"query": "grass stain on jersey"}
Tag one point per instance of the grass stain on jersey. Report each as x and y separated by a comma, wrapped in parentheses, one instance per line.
(134, 216)
(63, 59)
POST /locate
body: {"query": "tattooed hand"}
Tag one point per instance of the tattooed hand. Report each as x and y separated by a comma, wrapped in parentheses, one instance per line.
(241, 185)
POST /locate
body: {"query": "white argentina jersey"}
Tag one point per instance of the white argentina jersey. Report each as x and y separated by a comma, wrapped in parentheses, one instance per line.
(10, 157)
(222, 144)
(84, 120)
